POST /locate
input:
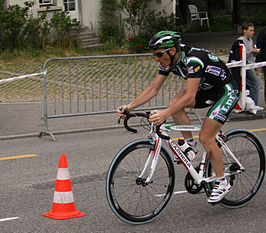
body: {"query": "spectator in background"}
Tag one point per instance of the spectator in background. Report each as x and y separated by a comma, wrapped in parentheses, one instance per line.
(261, 44)
(252, 82)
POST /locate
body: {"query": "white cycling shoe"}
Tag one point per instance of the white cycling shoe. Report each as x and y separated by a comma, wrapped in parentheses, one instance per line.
(218, 192)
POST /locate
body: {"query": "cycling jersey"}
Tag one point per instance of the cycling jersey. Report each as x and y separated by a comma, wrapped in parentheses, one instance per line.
(200, 63)
(217, 87)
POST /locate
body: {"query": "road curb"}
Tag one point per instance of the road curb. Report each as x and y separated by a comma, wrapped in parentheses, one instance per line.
(60, 132)
(245, 116)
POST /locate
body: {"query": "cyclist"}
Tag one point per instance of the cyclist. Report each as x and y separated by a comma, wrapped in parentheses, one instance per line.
(209, 83)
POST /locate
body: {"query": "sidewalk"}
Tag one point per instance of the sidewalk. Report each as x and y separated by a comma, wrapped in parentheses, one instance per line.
(20, 120)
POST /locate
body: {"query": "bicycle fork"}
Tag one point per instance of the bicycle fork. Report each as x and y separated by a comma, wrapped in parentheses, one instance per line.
(152, 159)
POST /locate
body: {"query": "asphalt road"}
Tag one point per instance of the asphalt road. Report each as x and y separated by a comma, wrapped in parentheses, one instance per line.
(27, 188)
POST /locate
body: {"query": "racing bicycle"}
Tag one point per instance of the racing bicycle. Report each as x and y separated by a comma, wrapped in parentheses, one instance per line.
(141, 178)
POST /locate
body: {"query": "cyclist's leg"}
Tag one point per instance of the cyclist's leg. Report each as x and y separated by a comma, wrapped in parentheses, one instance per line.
(227, 98)
(207, 135)
(207, 138)
(208, 131)
(181, 116)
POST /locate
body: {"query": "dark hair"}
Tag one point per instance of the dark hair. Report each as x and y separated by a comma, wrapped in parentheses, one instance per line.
(246, 25)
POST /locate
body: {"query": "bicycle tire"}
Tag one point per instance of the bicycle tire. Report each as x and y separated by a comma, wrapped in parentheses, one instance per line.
(136, 203)
(248, 149)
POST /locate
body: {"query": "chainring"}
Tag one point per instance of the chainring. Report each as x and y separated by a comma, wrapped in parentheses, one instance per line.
(190, 184)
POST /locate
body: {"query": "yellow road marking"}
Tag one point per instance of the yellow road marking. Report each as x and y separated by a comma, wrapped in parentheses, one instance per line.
(252, 130)
(256, 130)
(18, 157)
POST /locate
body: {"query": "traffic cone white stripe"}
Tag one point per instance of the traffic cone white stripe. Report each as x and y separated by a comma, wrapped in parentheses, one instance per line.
(63, 197)
(63, 174)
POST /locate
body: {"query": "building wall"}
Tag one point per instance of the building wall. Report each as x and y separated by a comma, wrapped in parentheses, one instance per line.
(167, 5)
(89, 11)
(89, 14)
(36, 8)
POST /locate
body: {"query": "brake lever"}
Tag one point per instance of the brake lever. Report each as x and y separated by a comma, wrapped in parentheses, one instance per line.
(118, 121)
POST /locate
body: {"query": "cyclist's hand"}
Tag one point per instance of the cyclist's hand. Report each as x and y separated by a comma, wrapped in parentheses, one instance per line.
(158, 117)
(122, 110)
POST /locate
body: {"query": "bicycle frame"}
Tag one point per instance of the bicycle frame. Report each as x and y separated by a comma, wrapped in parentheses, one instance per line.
(197, 176)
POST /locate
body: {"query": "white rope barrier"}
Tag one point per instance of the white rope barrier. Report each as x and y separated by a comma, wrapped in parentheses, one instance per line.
(255, 65)
(248, 66)
(20, 77)
(235, 64)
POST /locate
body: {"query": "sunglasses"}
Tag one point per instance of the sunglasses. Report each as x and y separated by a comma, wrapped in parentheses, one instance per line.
(160, 54)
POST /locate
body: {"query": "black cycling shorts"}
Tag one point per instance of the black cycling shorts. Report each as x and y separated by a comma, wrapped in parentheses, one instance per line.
(222, 101)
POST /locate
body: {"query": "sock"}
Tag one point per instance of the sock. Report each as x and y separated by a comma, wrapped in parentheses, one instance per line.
(191, 141)
(221, 180)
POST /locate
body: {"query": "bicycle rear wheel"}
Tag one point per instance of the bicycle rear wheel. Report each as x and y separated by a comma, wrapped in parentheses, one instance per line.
(130, 199)
(249, 151)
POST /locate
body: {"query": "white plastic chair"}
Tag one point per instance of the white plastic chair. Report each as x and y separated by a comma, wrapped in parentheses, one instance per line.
(196, 15)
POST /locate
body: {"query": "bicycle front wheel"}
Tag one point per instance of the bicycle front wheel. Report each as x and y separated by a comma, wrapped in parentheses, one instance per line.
(130, 198)
(249, 151)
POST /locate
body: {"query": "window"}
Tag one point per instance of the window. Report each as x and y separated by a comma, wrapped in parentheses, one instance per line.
(70, 5)
(46, 2)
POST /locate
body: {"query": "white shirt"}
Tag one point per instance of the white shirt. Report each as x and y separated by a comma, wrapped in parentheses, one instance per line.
(248, 42)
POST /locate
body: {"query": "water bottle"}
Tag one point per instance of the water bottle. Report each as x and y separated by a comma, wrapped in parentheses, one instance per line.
(188, 151)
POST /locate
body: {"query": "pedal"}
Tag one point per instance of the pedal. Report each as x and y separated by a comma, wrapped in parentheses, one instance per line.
(232, 178)
(206, 189)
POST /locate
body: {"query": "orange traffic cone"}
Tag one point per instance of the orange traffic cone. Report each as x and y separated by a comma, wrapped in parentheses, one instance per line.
(63, 203)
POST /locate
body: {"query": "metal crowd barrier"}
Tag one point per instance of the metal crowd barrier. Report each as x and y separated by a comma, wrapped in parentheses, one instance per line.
(79, 86)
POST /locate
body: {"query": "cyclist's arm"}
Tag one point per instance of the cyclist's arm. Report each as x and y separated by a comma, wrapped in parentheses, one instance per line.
(147, 94)
(186, 99)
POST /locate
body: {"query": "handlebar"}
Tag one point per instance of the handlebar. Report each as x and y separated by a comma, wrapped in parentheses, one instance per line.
(130, 115)
(144, 115)
(161, 135)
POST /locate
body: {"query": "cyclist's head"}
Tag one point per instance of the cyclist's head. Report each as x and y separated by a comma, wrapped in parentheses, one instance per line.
(165, 40)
